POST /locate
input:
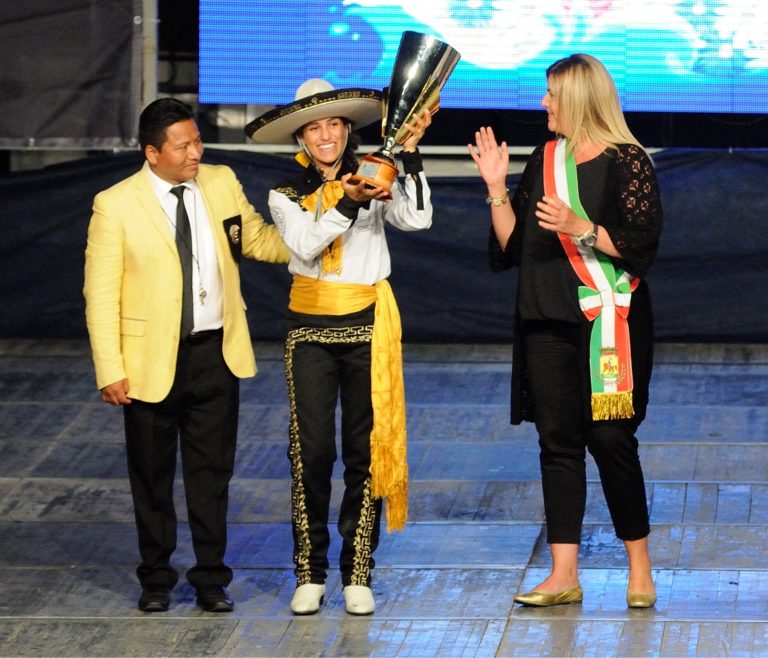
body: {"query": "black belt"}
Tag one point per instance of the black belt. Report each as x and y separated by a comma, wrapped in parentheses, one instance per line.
(202, 336)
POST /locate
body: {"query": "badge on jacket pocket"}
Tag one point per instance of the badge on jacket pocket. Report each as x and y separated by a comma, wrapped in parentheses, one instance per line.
(233, 227)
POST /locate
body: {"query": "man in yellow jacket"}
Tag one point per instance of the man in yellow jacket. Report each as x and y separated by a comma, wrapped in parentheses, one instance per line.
(170, 339)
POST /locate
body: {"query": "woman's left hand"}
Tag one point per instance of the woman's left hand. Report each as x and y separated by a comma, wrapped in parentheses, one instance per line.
(417, 126)
(554, 215)
(363, 192)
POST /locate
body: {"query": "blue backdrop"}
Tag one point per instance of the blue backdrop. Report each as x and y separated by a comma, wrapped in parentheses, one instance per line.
(665, 55)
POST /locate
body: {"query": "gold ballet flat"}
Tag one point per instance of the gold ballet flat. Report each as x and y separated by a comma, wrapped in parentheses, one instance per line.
(544, 599)
(635, 600)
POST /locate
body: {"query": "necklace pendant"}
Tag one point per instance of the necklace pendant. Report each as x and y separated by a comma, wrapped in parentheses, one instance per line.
(202, 295)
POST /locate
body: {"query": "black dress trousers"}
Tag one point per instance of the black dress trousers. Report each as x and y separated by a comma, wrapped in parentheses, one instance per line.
(199, 417)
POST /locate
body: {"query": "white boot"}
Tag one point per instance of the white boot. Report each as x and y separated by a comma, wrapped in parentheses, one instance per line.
(307, 599)
(359, 600)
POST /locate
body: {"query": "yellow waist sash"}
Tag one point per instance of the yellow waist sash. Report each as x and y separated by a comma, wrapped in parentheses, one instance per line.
(389, 461)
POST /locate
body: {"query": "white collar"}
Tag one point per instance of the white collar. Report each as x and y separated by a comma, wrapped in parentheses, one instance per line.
(163, 187)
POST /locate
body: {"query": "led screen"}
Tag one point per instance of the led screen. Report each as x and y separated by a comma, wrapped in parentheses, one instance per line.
(665, 55)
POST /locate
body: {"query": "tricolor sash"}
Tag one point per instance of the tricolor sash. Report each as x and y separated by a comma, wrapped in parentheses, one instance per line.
(604, 297)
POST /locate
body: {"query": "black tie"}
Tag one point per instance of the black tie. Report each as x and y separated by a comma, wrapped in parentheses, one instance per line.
(184, 245)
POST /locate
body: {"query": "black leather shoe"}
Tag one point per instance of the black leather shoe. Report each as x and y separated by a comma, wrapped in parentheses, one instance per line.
(155, 598)
(214, 598)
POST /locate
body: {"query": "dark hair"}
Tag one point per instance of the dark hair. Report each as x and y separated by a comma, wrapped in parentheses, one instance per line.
(157, 116)
(349, 160)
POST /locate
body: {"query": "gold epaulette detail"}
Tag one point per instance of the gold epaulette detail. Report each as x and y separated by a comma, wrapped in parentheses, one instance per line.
(289, 191)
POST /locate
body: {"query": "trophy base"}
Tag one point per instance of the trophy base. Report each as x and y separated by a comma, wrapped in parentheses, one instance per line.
(377, 171)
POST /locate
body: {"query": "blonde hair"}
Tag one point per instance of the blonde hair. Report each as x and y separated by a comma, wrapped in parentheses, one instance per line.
(588, 103)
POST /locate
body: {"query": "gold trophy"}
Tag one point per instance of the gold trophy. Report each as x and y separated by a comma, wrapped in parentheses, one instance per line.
(422, 66)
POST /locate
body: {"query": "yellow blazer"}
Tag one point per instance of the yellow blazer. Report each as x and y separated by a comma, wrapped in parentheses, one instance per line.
(133, 280)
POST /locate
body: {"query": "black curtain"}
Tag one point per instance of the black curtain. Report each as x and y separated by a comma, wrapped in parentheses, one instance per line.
(71, 72)
(708, 282)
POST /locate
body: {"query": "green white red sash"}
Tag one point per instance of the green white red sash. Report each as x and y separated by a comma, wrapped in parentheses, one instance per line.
(604, 297)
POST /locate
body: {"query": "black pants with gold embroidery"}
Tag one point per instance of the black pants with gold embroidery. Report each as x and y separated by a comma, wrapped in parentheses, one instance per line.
(328, 359)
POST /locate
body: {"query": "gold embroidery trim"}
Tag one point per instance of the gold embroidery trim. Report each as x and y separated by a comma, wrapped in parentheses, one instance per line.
(299, 517)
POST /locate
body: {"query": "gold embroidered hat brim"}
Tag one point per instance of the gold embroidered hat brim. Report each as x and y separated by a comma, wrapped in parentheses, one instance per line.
(360, 106)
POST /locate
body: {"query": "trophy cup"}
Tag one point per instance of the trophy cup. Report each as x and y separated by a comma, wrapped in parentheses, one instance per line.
(422, 66)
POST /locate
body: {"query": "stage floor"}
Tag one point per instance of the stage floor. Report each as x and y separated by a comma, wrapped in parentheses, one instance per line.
(444, 586)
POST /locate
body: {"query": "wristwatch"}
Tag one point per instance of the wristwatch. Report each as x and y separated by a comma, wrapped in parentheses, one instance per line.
(589, 238)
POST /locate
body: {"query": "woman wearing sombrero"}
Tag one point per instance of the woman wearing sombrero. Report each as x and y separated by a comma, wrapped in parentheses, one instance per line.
(343, 338)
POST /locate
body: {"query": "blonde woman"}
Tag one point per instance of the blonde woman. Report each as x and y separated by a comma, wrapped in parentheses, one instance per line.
(583, 227)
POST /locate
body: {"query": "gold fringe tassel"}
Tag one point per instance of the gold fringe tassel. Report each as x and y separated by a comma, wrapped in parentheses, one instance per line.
(606, 406)
(389, 462)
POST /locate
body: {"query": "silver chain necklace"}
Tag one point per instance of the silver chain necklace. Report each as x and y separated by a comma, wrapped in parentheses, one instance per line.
(201, 292)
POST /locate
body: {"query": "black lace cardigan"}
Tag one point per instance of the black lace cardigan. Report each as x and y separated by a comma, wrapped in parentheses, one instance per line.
(632, 217)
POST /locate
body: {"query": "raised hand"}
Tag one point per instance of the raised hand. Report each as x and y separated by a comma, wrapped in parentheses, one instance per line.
(417, 126)
(492, 160)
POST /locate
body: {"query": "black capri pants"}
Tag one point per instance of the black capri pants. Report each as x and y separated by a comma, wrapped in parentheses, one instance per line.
(555, 380)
